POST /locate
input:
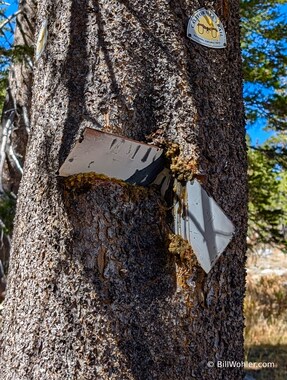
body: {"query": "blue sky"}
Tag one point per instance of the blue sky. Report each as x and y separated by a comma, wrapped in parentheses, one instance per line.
(257, 133)
(10, 7)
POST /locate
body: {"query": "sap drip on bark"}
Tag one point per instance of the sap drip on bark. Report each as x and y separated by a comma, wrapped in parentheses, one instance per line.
(186, 262)
(181, 168)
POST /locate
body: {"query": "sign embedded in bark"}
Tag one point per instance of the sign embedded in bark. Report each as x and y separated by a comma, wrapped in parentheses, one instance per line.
(205, 28)
(42, 40)
(163, 181)
(197, 217)
(199, 220)
(114, 156)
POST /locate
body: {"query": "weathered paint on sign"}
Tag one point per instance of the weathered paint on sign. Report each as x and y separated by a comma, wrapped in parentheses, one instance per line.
(42, 40)
(114, 156)
(199, 220)
(205, 28)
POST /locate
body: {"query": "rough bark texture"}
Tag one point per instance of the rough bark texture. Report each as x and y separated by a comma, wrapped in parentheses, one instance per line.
(17, 106)
(93, 291)
(15, 119)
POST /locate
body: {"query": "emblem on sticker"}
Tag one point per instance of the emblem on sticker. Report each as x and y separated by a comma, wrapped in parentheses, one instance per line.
(42, 40)
(205, 28)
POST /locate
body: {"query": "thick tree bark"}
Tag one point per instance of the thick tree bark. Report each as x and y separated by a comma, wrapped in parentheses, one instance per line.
(15, 120)
(17, 106)
(93, 291)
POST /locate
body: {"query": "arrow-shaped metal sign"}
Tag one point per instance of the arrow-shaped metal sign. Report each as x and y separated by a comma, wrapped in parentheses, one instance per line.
(114, 156)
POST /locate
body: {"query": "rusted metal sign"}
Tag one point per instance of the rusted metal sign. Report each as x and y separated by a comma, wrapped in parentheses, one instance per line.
(115, 157)
(199, 220)
(205, 28)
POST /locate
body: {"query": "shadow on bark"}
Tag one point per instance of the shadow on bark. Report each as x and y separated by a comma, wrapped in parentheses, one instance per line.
(140, 117)
(124, 272)
(126, 278)
(117, 283)
(74, 72)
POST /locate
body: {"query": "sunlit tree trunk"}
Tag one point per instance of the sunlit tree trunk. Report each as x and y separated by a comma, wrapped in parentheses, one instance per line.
(15, 120)
(93, 290)
(18, 100)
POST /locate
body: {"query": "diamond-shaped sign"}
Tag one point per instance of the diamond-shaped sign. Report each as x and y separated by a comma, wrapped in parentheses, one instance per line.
(199, 220)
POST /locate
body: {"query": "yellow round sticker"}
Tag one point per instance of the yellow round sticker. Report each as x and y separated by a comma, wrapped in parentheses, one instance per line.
(205, 28)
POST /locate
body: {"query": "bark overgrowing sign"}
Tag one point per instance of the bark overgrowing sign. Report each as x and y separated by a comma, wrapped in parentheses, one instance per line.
(114, 156)
(205, 28)
(197, 217)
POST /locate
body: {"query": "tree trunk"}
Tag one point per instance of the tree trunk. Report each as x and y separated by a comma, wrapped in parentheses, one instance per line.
(15, 123)
(17, 106)
(93, 290)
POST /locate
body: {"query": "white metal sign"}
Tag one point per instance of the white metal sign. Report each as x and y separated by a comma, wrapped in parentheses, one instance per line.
(199, 220)
(42, 40)
(205, 28)
(114, 156)
(197, 217)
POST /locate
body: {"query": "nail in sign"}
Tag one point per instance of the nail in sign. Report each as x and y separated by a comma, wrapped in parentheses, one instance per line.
(205, 28)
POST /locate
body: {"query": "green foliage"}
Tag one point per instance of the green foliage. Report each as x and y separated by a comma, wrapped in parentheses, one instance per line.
(264, 44)
(3, 86)
(7, 213)
(17, 53)
(267, 199)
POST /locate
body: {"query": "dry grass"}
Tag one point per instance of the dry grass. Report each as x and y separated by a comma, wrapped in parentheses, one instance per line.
(266, 311)
(266, 320)
(269, 353)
